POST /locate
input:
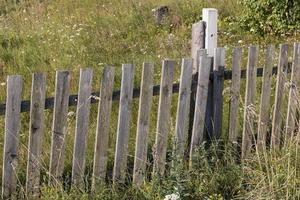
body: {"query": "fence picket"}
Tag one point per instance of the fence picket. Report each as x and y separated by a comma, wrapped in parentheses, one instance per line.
(103, 120)
(11, 140)
(163, 125)
(140, 158)
(249, 108)
(279, 96)
(82, 122)
(264, 114)
(120, 164)
(293, 102)
(201, 101)
(59, 125)
(235, 95)
(38, 92)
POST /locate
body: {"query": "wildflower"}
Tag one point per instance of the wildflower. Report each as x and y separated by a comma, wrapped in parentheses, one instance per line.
(71, 113)
(240, 41)
(174, 196)
(3, 84)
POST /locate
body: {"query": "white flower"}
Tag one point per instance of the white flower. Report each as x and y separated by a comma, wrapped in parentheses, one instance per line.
(240, 41)
(3, 84)
(174, 196)
(71, 113)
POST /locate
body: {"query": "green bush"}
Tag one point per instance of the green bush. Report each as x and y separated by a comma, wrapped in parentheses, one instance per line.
(270, 16)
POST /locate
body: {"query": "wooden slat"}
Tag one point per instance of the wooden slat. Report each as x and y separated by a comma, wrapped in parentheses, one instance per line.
(201, 101)
(264, 114)
(163, 125)
(235, 95)
(36, 129)
(279, 96)
(120, 164)
(249, 109)
(82, 123)
(293, 102)
(183, 108)
(218, 85)
(11, 140)
(140, 158)
(103, 120)
(198, 40)
(59, 125)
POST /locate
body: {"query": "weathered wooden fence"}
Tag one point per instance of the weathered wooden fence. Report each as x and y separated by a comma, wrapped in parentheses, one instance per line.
(200, 95)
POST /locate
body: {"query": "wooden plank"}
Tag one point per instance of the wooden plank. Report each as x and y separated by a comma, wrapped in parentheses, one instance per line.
(249, 109)
(218, 85)
(264, 114)
(163, 119)
(198, 40)
(103, 125)
(120, 165)
(293, 102)
(201, 101)
(82, 123)
(235, 95)
(140, 158)
(36, 129)
(279, 96)
(209, 111)
(180, 138)
(11, 140)
(59, 125)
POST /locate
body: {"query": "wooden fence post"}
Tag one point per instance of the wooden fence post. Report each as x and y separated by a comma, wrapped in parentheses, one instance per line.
(37, 106)
(279, 96)
(235, 95)
(163, 125)
(140, 158)
(264, 114)
(120, 164)
(59, 126)
(293, 102)
(103, 125)
(210, 17)
(11, 140)
(249, 108)
(82, 123)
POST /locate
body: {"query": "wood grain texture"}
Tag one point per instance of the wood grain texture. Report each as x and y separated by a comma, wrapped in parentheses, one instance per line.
(36, 131)
(249, 108)
(11, 140)
(163, 119)
(141, 145)
(279, 96)
(198, 40)
(120, 165)
(82, 126)
(103, 126)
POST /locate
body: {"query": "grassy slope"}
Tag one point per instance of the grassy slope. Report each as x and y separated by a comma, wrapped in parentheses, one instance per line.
(64, 34)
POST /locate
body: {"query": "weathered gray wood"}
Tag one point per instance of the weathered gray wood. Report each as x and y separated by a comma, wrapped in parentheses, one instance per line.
(264, 114)
(36, 129)
(183, 108)
(140, 158)
(102, 134)
(293, 102)
(249, 108)
(201, 101)
(235, 95)
(279, 96)
(82, 123)
(163, 125)
(120, 164)
(59, 125)
(198, 39)
(218, 84)
(11, 140)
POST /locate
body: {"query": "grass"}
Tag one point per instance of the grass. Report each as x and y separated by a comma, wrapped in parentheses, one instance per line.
(44, 35)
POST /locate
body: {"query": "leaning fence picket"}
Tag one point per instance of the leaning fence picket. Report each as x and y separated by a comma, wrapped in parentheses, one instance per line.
(279, 96)
(140, 158)
(120, 164)
(293, 102)
(163, 125)
(249, 108)
(38, 92)
(102, 133)
(82, 123)
(11, 140)
(264, 113)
